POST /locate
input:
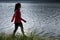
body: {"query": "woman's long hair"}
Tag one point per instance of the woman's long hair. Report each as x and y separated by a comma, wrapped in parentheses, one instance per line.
(17, 6)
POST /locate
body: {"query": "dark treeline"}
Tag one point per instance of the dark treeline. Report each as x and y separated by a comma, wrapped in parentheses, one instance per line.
(33, 1)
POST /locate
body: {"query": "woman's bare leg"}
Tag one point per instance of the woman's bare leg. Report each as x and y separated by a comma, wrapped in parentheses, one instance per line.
(22, 30)
(16, 27)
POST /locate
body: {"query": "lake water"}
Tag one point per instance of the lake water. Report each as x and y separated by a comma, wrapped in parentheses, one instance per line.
(43, 18)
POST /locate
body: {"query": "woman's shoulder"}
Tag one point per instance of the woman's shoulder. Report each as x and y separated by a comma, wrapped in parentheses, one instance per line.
(17, 10)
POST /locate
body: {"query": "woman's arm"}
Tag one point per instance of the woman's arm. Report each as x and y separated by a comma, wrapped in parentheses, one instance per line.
(13, 18)
(23, 20)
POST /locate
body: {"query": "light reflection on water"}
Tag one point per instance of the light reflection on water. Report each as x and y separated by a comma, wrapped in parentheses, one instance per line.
(43, 18)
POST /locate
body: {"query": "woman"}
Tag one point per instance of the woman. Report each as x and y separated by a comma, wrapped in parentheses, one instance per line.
(17, 18)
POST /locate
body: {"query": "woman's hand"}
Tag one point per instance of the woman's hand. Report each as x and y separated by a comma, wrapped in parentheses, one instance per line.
(24, 21)
(11, 20)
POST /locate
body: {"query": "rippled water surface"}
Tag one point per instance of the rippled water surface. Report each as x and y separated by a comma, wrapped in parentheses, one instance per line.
(42, 18)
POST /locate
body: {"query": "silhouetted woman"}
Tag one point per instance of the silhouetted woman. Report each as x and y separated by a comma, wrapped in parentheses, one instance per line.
(17, 18)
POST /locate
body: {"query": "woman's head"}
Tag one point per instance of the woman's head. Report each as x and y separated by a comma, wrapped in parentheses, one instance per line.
(17, 6)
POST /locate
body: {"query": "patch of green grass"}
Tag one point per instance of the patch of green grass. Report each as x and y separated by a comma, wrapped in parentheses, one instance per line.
(31, 36)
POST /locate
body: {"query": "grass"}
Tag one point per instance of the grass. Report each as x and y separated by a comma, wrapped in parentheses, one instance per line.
(31, 36)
